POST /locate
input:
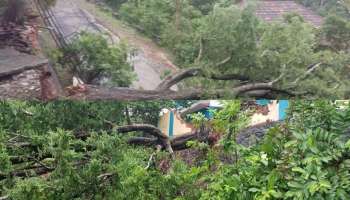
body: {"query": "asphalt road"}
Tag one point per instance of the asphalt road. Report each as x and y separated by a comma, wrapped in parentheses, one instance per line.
(72, 20)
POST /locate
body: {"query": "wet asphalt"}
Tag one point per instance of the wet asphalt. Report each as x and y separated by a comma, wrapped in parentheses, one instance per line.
(72, 20)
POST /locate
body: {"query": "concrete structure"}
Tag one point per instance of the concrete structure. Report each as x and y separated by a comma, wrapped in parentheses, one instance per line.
(24, 72)
(267, 112)
(172, 124)
(20, 74)
(276, 111)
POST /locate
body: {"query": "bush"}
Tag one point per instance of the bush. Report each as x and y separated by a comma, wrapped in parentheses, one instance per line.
(99, 60)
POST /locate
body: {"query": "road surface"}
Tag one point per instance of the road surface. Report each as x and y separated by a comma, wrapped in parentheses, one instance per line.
(150, 62)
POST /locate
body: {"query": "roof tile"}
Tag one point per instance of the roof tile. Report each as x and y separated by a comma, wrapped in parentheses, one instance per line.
(274, 10)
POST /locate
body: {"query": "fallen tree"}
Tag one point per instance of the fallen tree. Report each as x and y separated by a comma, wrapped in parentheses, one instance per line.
(34, 166)
(244, 88)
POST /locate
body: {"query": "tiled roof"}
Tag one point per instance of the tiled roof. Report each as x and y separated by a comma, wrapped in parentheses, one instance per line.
(274, 10)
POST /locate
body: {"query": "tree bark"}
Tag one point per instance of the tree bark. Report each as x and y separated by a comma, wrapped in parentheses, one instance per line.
(154, 131)
(177, 143)
(91, 92)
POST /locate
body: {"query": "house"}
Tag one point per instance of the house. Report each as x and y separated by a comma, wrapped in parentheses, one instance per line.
(172, 122)
(276, 111)
(274, 10)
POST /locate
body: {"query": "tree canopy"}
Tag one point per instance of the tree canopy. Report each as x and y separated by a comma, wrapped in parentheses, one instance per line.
(83, 155)
(228, 46)
(94, 59)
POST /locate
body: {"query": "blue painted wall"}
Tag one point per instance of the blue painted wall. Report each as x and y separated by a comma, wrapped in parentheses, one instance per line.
(171, 124)
(283, 106)
(263, 102)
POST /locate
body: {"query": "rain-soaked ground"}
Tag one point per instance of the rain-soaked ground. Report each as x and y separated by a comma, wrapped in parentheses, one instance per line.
(149, 62)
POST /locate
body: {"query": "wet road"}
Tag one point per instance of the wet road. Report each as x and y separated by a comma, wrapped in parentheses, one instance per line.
(149, 62)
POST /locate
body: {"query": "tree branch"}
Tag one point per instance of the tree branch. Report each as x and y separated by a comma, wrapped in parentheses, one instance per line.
(163, 91)
(177, 143)
(196, 72)
(226, 60)
(172, 80)
(92, 92)
(200, 53)
(310, 70)
(143, 127)
(150, 160)
(229, 77)
(163, 138)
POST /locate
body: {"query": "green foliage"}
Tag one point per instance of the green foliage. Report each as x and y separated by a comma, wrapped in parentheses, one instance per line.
(295, 162)
(149, 15)
(230, 118)
(148, 111)
(340, 8)
(336, 31)
(19, 116)
(98, 60)
(34, 188)
(198, 120)
(116, 3)
(206, 33)
(307, 157)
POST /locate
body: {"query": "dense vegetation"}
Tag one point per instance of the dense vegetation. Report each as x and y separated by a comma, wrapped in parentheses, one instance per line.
(96, 61)
(306, 157)
(224, 47)
(340, 8)
(226, 40)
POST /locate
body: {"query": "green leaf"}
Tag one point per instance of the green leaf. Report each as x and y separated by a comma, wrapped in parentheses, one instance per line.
(298, 169)
(272, 179)
(254, 190)
(290, 143)
(276, 194)
(347, 144)
(295, 184)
